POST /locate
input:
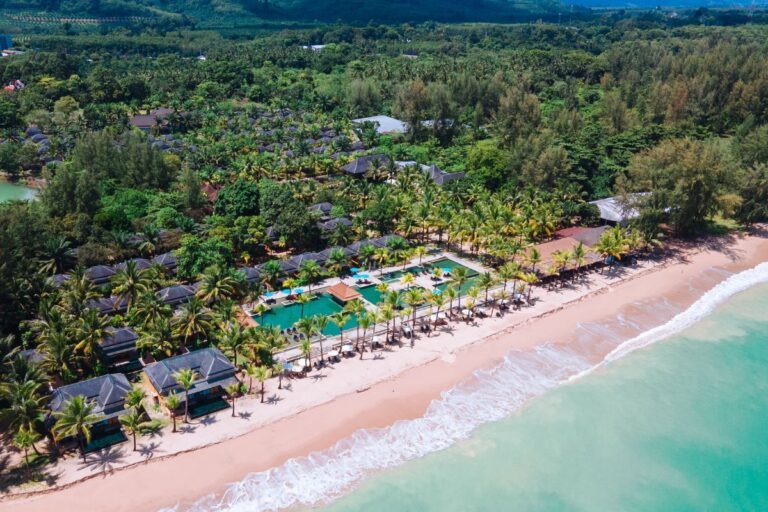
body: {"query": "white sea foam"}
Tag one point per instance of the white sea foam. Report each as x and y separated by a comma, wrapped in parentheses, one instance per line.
(489, 396)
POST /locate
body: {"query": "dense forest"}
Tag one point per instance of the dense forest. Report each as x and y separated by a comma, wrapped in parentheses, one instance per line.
(221, 149)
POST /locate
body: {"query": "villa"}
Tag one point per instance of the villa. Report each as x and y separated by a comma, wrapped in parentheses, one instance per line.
(118, 349)
(214, 372)
(363, 164)
(385, 125)
(107, 394)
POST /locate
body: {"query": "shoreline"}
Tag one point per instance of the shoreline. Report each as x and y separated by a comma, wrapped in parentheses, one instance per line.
(404, 395)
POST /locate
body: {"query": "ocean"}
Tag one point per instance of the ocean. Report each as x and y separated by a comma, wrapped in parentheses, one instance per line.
(679, 425)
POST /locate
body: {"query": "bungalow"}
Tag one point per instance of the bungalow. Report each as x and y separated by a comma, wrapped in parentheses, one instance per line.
(332, 224)
(385, 125)
(167, 260)
(441, 177)
(141, 264)
(385, 240)
(100, 274)
(363, 164)
(355, 247)
(325, 254)
(146, 122)
(108, 305)
(323, 209)
(251, 274)
(613, 210)
(213, 371)
(176, 295)
(118, 348)
(107, 394)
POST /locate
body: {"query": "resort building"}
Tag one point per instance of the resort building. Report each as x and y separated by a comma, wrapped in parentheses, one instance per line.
(176, 295)
(107, 394)
(100, 274)
(167, 260)
(343, 292)
(615, 211)
(385, 125)
(363, 164)
(213, 371)
(118, 349)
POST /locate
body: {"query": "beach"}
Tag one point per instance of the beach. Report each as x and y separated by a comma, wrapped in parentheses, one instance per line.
(336, 402)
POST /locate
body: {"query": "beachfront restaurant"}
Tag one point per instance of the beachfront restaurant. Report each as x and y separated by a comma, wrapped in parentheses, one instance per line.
(213, 371)
(107, 394)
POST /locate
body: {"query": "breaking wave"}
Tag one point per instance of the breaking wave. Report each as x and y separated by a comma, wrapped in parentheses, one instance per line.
(488, 396)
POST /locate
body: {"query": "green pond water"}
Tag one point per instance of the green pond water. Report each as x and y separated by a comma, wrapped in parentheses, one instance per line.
(10, 191)
(678, 426)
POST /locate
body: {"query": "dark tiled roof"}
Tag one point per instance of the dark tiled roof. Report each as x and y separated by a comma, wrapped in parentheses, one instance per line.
(324, 208)
(252, 274)
(363, 164)
(176, 294)
(355, 247)
(332, 224)
(167, 260)
(100, 274)
(385, 240)
(118, 340)
(441, 177)
(324, 255)
(209, 364)
(58, 279)
(107, 392)
(141, 264)
(104, 305)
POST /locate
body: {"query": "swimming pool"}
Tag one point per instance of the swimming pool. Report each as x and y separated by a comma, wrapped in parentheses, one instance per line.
(448, 263)
(395, 275)
(370, 293)
(322, 304)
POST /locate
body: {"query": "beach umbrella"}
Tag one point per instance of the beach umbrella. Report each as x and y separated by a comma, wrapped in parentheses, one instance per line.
(298, 291)
(437, 291)
(355, 270)
(361, 276)
(287, 291)
(269, 294)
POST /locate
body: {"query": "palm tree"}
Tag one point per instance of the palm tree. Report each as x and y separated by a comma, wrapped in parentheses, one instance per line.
(579, 258)
(436, 300)
(534, 258)
(508, 272)
(366, 254)
(186, 379)
(232, 391)
(24, 404)
(278, 369)
(420, 251)
(340, 318)
(459, 276)
(337, 261)
(193, 321)
(135, 398)
(303, 299)
(381, 256)
(305, 347)
(217, 284)
(75, 419)
(365, 320)
(132, 423)
(561, 259)
(485, 281)
(270, 273)
(59, 356)
(307, 326)
(233, 340)
(355, 307)
(452, 293)
(56, 250)
(25, 439)
(90, 331)
(129, 283)
(311, 272)
(386, 314)
(530, 279)
(407, 279)
(260, 309)
(321, 323)
(173, 402)
(499, 296)
(262, 374)
(413, 297)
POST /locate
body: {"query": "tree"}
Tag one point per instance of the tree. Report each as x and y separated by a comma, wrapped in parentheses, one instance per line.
(278, 369)
(262, 374)
(459, 276)
(135, 398)
(233, 390)
(303, 299)
(197, 254)
(311, 272)
(413, 297)
(518, 115)
(173, 402)
(129, 283)
(754, 195)
(25, 439)
(185, 378)
(305, 347)
(365, 320)
(485, 281)
(75, 419)
(193, 321)
(238, 199)
(218, 284)
(682, 180)
(132, 423)
(23, 404)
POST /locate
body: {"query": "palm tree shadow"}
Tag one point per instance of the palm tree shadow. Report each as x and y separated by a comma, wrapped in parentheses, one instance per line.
(245, 415)
(208, 420)
(188, 428)
(104, 461)
(148, 450)
(274, 399)
(318, 377)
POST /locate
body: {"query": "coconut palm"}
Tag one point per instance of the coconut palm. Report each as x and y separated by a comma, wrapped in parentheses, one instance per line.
(59, 356)
(270, 273)
(356, 308)
(303, 299)
(420, 252)
(132, 423)
(173, 402)
(23, 404)
(260, 309)
(25, 439)
(578, 258)
(337, 261)
(75, 419)
(148, 310)
(56, 250)
(311, 272)
(193, 321)
(452, 293)
(485, 281)
(365, 320)
(459, 276)
(129, 283)
(381, 256)
(366, 254)
(305, 347)
(407, 279)
(340, 318)
(533, 258)
(186, 378)
(386, 314)
(233, 390)
(321, 323)
(135, 398)
(218, 283)
(278, 369)
(262, 374)
(91, 329)
(307, 326)
(233, 340)
(413, 297)
(530, 279)
(561, 260)
(500, 296)
(508, 272)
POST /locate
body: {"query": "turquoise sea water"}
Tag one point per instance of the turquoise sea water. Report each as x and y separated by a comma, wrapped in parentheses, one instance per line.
(673, 419)
(681, 425)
